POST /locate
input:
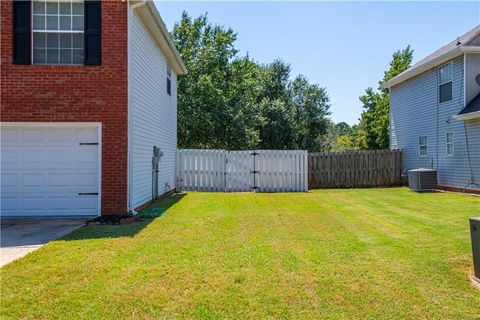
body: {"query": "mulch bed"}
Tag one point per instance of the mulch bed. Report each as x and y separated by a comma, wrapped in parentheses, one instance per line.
(112, 219)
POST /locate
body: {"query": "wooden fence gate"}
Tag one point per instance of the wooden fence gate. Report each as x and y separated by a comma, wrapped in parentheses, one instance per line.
(373, 168)
(240, 171)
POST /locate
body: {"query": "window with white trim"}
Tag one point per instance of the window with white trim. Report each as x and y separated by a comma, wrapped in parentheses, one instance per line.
(423, 146)
(445, 82)
(449, 143)
(58, 32)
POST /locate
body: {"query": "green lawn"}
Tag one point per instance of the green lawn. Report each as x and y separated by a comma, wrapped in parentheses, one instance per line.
(359, 253)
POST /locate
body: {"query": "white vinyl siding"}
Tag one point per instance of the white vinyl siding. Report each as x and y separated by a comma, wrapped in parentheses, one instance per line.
(414, 110)
(152, 116)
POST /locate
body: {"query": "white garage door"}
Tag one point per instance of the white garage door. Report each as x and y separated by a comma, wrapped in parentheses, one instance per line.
(49, 170)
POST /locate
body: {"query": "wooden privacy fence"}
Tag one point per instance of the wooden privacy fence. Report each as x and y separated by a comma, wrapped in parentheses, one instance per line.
(355, 169)
(250, 170)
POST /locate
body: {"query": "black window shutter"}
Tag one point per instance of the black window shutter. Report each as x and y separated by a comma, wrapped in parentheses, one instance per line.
(93, 33)
(21, 32)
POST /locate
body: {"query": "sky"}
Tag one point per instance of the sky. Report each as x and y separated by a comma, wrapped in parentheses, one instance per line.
(343, 46)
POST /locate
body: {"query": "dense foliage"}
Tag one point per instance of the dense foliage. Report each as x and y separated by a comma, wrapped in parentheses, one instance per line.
(231, 102)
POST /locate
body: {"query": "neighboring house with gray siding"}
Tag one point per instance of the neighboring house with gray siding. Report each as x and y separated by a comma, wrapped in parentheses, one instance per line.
(435, 113)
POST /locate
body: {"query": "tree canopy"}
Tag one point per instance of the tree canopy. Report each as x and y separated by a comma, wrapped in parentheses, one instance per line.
(233, 102)
(374, 121)
(230, 101)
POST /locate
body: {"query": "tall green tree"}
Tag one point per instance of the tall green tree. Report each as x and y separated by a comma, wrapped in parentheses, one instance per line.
(374, 120)
(205, 116)
(311, 104)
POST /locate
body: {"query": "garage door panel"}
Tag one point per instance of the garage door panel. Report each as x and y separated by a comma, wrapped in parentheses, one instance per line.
(61, 136)
(9, 136)
(32, 180)
(45, 169)
(9, 157)
(9, 203)
(33, 135)
(86, 180)
(9, 181)
(88, 136)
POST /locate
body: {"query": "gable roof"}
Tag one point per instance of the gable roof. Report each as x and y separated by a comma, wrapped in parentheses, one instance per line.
(469, 42)
(149, 15)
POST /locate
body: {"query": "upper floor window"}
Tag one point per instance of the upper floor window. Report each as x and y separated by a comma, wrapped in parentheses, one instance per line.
(445, 82)
(423, 145)
(169, 80)
(449, 143)
(58, 32)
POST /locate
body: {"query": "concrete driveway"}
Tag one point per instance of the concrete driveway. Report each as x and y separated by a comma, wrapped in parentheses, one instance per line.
(20, 236)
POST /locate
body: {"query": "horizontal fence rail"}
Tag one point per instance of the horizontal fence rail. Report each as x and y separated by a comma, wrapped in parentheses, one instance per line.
(373, 168)
(246, 170)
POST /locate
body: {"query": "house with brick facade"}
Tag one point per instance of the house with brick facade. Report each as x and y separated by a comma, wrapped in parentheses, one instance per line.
(88, 107)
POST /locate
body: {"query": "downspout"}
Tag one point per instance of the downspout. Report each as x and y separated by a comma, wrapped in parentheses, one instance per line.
(130, 10)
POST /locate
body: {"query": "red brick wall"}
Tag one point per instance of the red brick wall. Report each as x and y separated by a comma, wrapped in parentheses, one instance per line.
(77, 94)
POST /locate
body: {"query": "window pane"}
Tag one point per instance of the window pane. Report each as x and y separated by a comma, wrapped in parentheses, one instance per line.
(52, 56)
(446, 73)
(52, 40)
(78, 56)
(449, 137)
(38, 7)
(52, 22)
(66, 56)
(423, 150)
(77, 23)
(52, 7)
(39, 40)
(77, 7)
(38, 22)
(422, 140)
(39, 56)
(445, 92)
(78, 40)
(58, 48)
(65, 40)
(65, 8)
(450, 149)
(65, 23)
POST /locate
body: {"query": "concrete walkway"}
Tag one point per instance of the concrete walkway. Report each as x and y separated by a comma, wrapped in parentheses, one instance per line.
(20, 236)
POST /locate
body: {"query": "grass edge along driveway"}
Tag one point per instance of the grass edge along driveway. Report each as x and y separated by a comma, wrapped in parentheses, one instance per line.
(356, 253)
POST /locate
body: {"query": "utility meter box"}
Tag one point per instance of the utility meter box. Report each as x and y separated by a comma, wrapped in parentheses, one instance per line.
(475, 233)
